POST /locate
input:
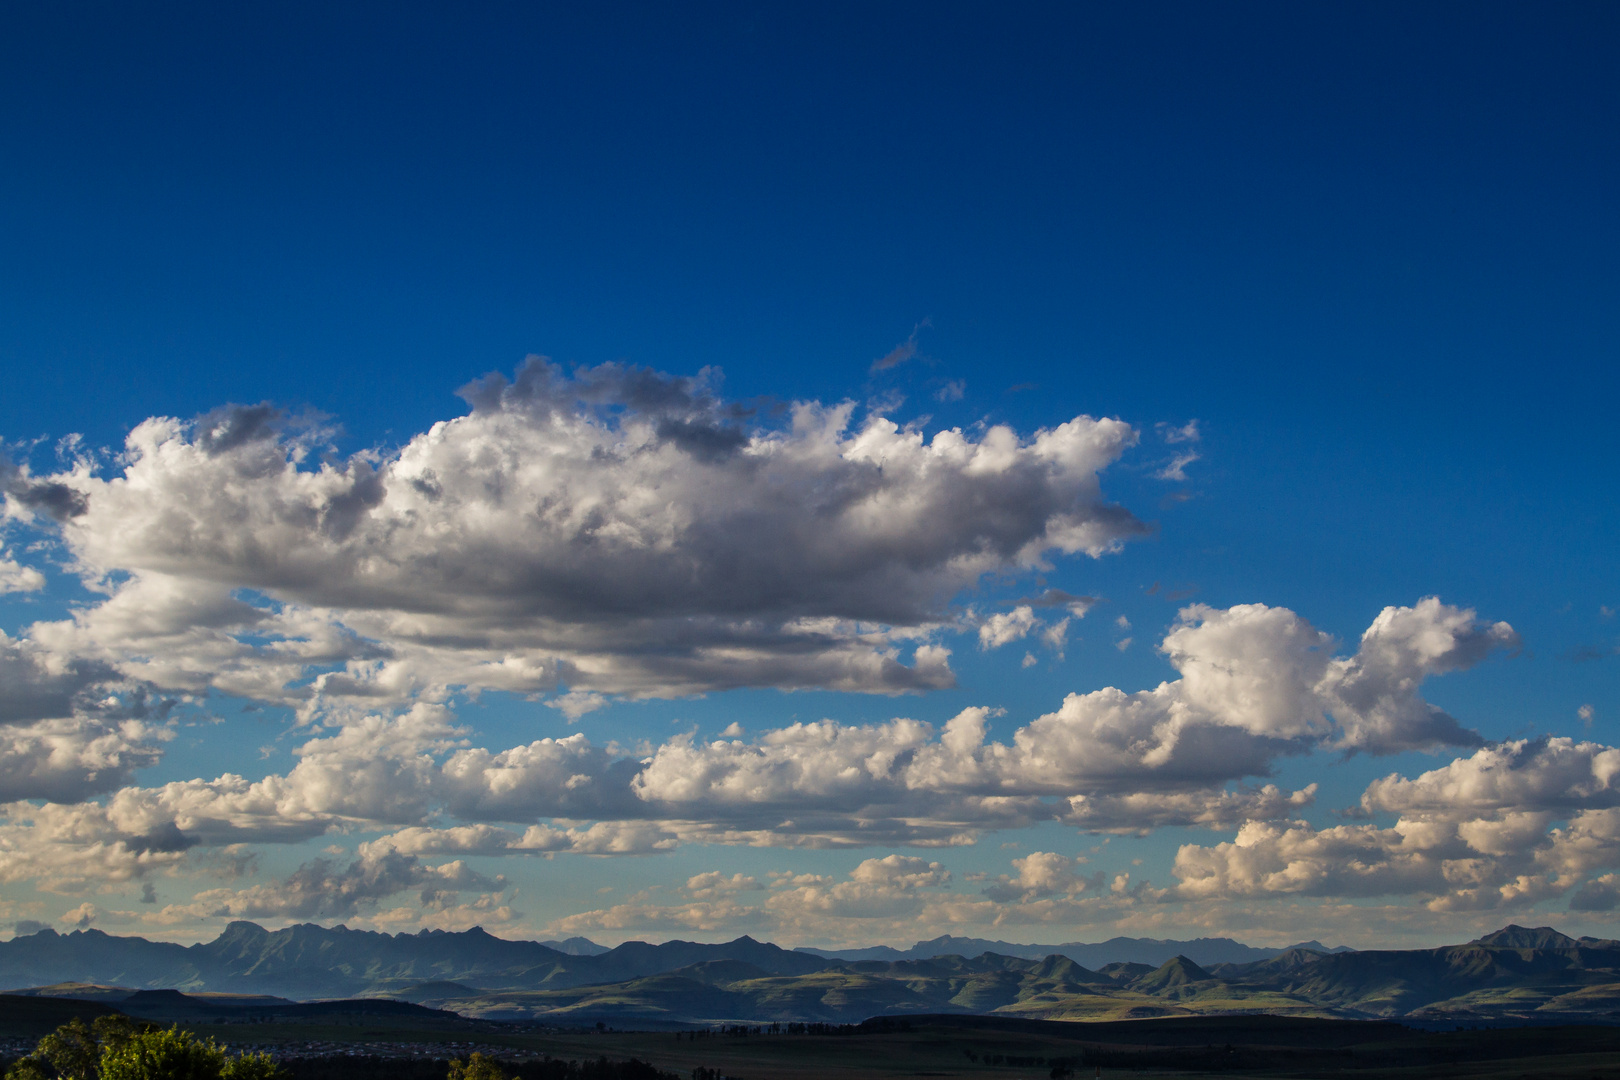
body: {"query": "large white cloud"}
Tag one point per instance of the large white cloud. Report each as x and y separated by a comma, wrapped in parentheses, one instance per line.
(1519, 774)
(73, 758)
(1257, 683)
(74, 848)
(617, 531)
(323, 889)
(71, 727)
(38, 683)
(1508, 826)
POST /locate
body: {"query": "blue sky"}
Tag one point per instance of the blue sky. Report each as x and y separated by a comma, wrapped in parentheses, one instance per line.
(1369, 250)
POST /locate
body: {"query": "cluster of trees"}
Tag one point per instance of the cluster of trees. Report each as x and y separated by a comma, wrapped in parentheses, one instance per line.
(116, 1048)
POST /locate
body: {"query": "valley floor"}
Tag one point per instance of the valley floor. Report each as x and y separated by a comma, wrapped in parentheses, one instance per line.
(987, 1048)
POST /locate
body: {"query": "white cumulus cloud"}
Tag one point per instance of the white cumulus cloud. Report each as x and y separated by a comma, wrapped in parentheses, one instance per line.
(616, 531)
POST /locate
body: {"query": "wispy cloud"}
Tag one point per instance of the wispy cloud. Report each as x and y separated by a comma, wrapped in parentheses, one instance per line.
(902, 352)
(1177, 468)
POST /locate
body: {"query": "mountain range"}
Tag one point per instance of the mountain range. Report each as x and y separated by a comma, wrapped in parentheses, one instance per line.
(1153, 951)
(1516, 975)
(308, 961)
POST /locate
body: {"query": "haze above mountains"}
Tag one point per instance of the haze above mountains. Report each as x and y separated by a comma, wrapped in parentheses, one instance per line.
(1515, 974)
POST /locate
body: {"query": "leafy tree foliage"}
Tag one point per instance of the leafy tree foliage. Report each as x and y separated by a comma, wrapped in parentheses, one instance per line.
(252, 1067)
(164, 1055)
(115, 1048)
(476, 1067)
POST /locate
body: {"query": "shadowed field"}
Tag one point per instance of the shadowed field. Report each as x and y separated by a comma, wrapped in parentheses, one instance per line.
(969, 1046)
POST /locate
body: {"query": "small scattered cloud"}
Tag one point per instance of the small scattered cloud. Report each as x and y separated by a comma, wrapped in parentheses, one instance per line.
(1184, 433)
(1586, 713)
(1123, 643)
(15, 577)
(80, 917)
(577, 703)
(953, 390)
(1172, 595)
(887, 403)
(733, 730)
(1077, 605)
(1006, 627)
(1056, 637)
(713, 884)
(1176, 470)
(1041, 874)
(902, 352)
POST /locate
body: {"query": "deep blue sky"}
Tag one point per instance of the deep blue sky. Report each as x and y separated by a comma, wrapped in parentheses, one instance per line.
(1374, 248)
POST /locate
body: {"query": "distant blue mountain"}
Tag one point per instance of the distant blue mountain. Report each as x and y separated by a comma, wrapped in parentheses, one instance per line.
(1152, 951)
(308, 961)
(577, 946)
(1516, 974)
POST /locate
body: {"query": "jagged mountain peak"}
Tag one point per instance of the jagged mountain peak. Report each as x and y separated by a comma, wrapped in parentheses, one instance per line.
(1316, 946)
(1183, 965)
(1177, 971)
(1066, 970)
(577, 946)
(1513, 936)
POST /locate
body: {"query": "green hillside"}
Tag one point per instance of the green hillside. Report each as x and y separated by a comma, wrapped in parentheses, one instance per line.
(1516, 974)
